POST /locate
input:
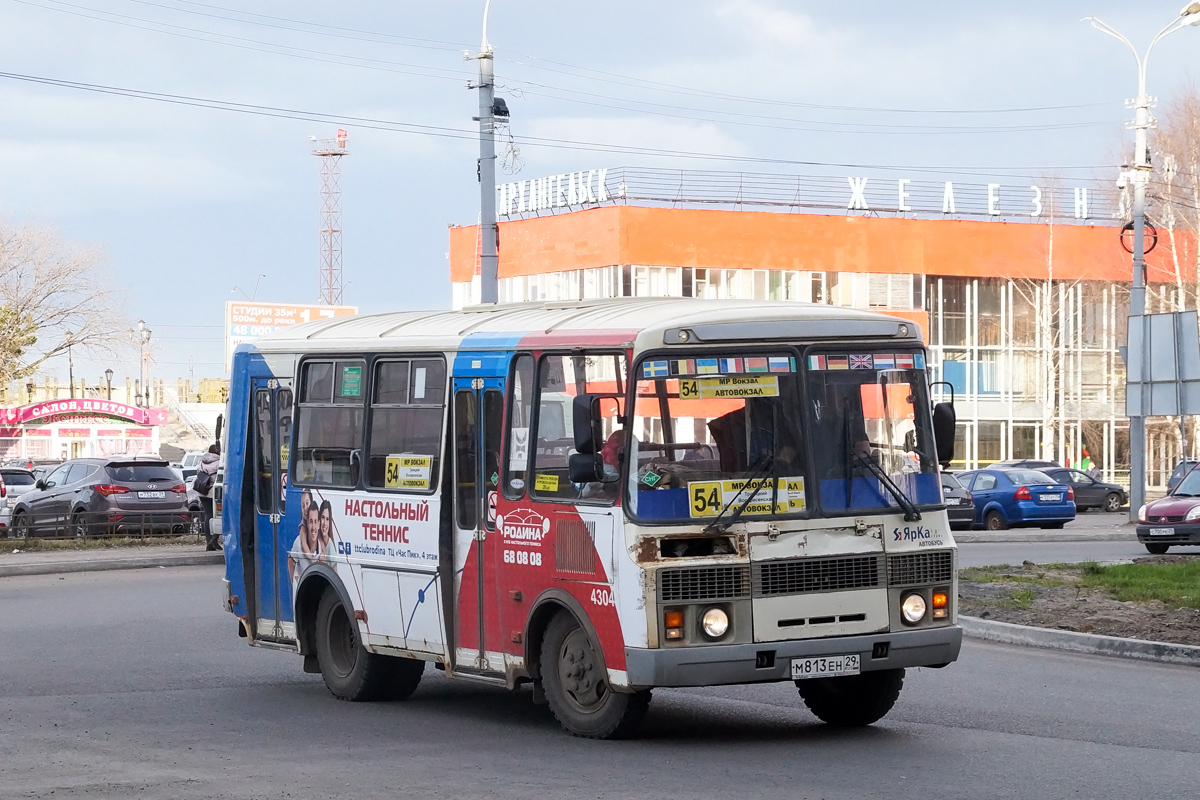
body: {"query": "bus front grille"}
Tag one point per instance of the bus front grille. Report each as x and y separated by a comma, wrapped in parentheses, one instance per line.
(917, 569)
(703, 583)
(802, 576)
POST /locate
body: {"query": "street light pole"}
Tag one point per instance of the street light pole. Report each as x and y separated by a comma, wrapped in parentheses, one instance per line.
(108, 373)
(1140, 177)
(144, 341)
(488, 261)
(70, 366)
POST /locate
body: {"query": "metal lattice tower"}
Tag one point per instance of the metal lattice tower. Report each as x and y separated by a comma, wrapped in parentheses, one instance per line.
(330, 151)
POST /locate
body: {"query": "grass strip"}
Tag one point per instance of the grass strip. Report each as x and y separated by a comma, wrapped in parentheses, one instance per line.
(1176, 585)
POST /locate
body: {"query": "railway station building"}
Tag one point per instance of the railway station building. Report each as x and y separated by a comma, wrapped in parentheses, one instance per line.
(1021, 291)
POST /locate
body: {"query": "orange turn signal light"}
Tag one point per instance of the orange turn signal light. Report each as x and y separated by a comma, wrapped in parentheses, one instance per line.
(673, 622)
(940, 600)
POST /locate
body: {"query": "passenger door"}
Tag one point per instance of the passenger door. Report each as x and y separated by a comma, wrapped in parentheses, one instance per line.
(270, 414)
(478, 416)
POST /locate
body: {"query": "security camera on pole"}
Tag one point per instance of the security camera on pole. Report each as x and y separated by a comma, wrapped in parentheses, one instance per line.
(1139, 176)
(489, 108)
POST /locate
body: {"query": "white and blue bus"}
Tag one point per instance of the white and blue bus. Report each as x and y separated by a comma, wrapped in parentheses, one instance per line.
(595, 499)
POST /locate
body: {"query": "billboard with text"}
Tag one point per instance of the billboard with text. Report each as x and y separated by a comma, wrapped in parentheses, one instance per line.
(247, 320)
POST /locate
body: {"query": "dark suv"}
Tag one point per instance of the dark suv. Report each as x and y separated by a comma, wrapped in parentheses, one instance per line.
(104, 495)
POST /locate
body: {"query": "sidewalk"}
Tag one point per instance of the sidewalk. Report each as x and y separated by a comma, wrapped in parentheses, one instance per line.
(48, 562)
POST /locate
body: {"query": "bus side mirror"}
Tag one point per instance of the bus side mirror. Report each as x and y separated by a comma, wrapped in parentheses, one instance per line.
(585, 468)
(944, 422)
(585, 419)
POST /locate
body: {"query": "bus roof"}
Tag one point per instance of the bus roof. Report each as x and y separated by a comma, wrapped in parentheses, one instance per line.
(643, 322)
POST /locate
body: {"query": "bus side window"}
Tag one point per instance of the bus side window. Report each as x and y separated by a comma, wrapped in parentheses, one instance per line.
(561, 379)
(407, 404)
(329, 428)
(516, 466)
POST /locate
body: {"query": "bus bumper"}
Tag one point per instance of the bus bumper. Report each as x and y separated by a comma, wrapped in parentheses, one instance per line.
(754, 663)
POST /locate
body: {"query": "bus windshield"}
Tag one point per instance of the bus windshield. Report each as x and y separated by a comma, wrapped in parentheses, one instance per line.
(751, 436)
(715, 435)
(872, 431)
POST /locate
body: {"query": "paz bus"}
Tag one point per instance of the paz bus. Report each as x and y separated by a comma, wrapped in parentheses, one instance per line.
(595, 499)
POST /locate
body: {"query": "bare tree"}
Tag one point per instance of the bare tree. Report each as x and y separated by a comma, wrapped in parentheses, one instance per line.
(1175, 191)
(53, 296)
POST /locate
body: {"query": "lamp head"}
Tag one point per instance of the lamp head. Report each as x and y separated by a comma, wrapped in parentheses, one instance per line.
(108, 373)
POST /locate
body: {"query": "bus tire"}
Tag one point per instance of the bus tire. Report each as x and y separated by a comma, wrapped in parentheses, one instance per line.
(852, 701)
(403, 677)
(575, 683)
(350, 672)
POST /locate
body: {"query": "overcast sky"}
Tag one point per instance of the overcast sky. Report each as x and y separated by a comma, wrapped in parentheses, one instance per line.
(189, 203)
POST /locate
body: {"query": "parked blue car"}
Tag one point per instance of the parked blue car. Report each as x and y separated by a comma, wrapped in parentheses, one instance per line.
(1018, 498)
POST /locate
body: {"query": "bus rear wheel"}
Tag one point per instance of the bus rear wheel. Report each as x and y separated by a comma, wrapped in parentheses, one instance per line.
(575, 682)
(852, 701)
(350, 672)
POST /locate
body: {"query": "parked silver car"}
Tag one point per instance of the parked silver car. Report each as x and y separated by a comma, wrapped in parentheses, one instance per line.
(14, 482)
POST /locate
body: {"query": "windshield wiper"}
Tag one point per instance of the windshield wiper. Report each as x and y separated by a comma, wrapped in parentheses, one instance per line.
(755, 476)
(911, 514)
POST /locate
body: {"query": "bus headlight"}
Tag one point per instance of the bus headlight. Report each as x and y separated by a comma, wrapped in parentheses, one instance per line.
(714, 623)
(913, 608)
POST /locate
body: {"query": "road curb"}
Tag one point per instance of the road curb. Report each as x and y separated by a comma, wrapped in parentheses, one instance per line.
(100, 565)
(979, 537)
(1074, 642)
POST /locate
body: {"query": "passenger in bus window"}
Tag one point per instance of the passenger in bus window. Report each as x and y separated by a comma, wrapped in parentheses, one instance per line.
(610, 461)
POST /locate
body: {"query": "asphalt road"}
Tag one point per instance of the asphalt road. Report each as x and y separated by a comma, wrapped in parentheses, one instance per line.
(123, 684)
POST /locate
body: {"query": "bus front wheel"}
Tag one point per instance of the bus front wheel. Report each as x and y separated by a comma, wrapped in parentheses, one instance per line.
(576, 685)
(350, 672)
(852, 701)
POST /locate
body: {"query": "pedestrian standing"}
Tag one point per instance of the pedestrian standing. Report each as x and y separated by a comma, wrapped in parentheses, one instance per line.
(206, 481)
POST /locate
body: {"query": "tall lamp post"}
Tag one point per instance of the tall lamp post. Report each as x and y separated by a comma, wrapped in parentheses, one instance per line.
(108, 373)
(1139, 176)
(144, 341)
(490, 107)
(70, 365)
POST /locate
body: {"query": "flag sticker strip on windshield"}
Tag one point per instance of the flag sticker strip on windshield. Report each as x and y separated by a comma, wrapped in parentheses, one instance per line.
(756, 365)
(877, 361)
(707, 366)
(683, 366)
(861, 362)
(729, 365)
(654, 369)
(780, 364)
